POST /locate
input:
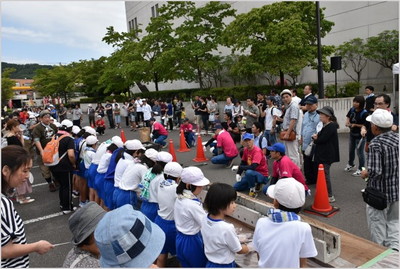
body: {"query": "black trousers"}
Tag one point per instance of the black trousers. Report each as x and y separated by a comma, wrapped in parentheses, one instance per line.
(65, 191)
(310, 169)
(111, 120)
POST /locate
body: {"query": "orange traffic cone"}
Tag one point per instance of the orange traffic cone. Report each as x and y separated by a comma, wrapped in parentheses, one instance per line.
(172, 150)
(321, 205)
(122, 135)
(200, 157)
(182, 143)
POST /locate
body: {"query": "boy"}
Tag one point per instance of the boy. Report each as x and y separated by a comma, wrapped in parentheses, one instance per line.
(100, 125)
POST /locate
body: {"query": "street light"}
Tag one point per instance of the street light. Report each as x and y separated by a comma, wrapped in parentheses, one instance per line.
(320, 70)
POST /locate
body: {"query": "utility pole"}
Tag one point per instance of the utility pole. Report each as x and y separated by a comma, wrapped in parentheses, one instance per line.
(320, 70)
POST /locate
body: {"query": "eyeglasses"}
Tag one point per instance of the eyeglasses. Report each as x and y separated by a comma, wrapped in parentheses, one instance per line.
(379, 104)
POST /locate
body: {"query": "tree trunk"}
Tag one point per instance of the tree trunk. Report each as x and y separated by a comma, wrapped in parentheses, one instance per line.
(282, 79)
(156, 80)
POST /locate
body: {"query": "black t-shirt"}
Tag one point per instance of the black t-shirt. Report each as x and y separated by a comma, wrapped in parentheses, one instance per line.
(13, 140)
(197, 104)
(109, 111)
(357, 118)
(203, 107)
(64, 165)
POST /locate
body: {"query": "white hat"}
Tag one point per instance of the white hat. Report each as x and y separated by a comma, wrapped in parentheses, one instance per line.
(286, 91)
(75, 129)
(99, 116)
(90, 130)
(194, 176)
(151, 154)
(67, 123)
(165, 157)
(89, 105)
(57, 124)
(91, 140)
(134, 144)
(288, 192)
(381, 118)
(117, 141)
(173, 169)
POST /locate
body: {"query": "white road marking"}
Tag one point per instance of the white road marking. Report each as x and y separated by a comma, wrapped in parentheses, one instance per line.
(43, 218)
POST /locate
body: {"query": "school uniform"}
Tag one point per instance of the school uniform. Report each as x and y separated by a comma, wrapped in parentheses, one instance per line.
(87, 160)
(149, 194)
(101, 173)
(188, 215)
(101, 150)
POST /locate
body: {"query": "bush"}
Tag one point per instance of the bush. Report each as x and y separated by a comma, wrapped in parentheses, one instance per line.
(351, 89)
(119, 98)
(89, 100)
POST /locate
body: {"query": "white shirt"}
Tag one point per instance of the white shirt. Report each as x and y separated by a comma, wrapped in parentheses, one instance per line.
(138, 105)
(269, 116)
(146, 112)
(166, 197)
(296, 99)
(283, 244)
(132, 176)
(188, 215)
(104, 163)
(121, 167)
(88, 155)
(153, 188)
(101, 150)
(220, 241)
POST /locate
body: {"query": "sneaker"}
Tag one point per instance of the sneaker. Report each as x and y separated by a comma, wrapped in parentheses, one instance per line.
(52, 187)
(81, 204)
(75, 194)
(363, 190)
(332, 199)
(229, 164)
(165, 146)
(258, 187)
(66, 212)
(357, 173)
(349, 167)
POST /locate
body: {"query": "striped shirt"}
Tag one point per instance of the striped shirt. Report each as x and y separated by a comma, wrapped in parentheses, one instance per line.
(12, 230)
(383, 165)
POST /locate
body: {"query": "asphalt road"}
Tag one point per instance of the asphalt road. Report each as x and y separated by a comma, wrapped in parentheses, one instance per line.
(43, 219)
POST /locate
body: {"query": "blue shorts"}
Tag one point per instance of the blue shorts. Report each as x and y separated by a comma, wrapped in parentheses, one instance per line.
(99, 184)
(82, 169)
(123, 197)
(92, 172)
(169, 228)
(217, 265)
(108, 193)
(149, 210)
(190, 250)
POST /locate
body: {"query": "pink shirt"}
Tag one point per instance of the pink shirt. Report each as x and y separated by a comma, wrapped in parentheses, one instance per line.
(286, 168)
(255, 155)
(225, 141)
(186, 127)
(159, 128)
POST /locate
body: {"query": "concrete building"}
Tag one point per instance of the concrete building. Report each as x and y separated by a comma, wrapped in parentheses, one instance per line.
(352, 19)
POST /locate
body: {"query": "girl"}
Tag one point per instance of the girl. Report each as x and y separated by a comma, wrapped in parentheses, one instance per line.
(149, 185)
(100, 125)
(166, 197)
(220, 239)
(15, 166)
(188, 215)
(88, 155)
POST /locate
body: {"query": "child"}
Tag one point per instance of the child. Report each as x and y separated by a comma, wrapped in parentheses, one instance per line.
(183, 114)
(100, 125)
(88, 155)
(282, 239)
(166, 197)
(220, 239)
(188, 215)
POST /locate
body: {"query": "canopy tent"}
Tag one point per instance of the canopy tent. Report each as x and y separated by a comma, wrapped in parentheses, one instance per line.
(395, 69)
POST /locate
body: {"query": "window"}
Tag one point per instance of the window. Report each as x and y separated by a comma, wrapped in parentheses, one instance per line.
(154, 11)
(133, 25)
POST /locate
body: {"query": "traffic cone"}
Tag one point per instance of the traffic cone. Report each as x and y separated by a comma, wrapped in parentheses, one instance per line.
(182, 143)
(122, 135)
(321, 205)
(200, 157)
(172, 150)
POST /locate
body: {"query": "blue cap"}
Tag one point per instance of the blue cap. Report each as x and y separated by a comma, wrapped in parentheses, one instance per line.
(279, 147)
(248, 136)
(311, 100)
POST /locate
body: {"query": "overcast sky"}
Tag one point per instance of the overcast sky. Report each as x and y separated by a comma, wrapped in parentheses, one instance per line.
(53, 32)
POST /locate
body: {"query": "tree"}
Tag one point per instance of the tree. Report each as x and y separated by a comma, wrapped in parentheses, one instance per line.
(242, 68)
(6, 85)
(281, 37)
(352, 53)
(383, 48)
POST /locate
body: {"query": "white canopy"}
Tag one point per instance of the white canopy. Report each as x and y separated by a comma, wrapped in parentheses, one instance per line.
(395, 68)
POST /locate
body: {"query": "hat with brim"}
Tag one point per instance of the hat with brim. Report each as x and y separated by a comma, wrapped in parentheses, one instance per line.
(381, 118)
(127, 238)
(288, 192)
(194, 176)
(326, 110)
(311, 100)
(286, 91)
(279, 147)
(44, 113)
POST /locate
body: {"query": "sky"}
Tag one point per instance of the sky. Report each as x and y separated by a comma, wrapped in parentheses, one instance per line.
(58, 32)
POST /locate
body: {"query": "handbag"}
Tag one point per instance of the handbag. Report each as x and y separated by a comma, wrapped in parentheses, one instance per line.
(374, 198)
(309, 150)
(292, 135)
(211, 117)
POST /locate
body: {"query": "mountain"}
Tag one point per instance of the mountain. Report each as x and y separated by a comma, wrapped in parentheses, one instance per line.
(23, 70)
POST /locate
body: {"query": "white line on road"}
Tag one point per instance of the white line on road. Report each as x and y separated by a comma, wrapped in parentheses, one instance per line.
(43, 218)
(40, 184)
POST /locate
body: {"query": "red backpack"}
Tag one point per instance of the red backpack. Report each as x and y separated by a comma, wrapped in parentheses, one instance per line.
(50, 152)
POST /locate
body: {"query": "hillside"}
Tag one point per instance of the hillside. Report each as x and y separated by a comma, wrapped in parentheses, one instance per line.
(23, 70)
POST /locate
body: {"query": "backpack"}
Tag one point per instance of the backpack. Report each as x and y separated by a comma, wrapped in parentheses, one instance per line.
(353, 110)
(50, 152)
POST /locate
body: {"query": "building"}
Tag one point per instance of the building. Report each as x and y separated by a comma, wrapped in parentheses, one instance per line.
(352, 19)
(24, 93)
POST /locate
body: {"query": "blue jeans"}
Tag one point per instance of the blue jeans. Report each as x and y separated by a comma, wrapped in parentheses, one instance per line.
(271, 138)
(251, 177)
(353, 142)
(222, 159)
(161, 140)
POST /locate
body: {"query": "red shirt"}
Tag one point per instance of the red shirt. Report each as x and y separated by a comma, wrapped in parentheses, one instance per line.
(100, 123)
(225, 141)
(255, 155)
(23, 116)
(186, 127)
(159, 128)
(286, 168)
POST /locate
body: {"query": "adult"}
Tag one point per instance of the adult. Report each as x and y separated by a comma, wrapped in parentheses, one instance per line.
(53, 112)
(382, 174)
(278, 99)
(254, 165)
(187, 129)
(170, 115)
(16, 164)
(251, 113)
(307, 93)
(132, 114)
(212, 107)
(117, 115)
(369, 99)
(204, 113)
(146, 112)
(124, 113)
(156, 111)
(228, 108)
(226, 147)
(261, 103)
(100, 109)
(91, 115)
(139, 110)
(295, 98)
(158, 133)
(309, 127)
(42, 135)
(289, 125)
(327, 145)
(178, 104)
(237, 109)
(62, 112)
(271, 112)
(77, 115)
(355, 119)
(109, 111)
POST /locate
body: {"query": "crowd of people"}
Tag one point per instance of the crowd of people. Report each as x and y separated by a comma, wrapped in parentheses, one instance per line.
(152, 203)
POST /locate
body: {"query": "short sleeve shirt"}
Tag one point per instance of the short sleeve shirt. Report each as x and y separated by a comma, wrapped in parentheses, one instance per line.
(225, 141)
(292, 113)
(255, 155)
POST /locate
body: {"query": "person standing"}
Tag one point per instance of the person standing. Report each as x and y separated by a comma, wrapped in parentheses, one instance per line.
(251, 114)
(139, 110)
(62, 112)
(270, 114)
(196, 105)
(382, 174)
(307, 93)
(369, 99)
(228, 108)
(146, 113)
(109, 111)
(124, 113)
(91, 114)
(261, 103)
(117, 116)
(77, 116)
(204, 113)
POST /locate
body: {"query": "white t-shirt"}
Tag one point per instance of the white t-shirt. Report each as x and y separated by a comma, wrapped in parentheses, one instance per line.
(188, 215)
(146, 112)
(269, 116)
(283, 244)
(132, 176)
(296, 99)
(101, 150)
(104, 163)
(138, 105)
(220, 241)
(166, 199)
(121, 167)
(88, 155)
(153, 188)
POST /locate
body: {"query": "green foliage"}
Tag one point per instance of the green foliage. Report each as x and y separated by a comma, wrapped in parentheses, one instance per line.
(351, 89)
(384, 48)
(352, 53)
(23, 71)
(6, 84)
